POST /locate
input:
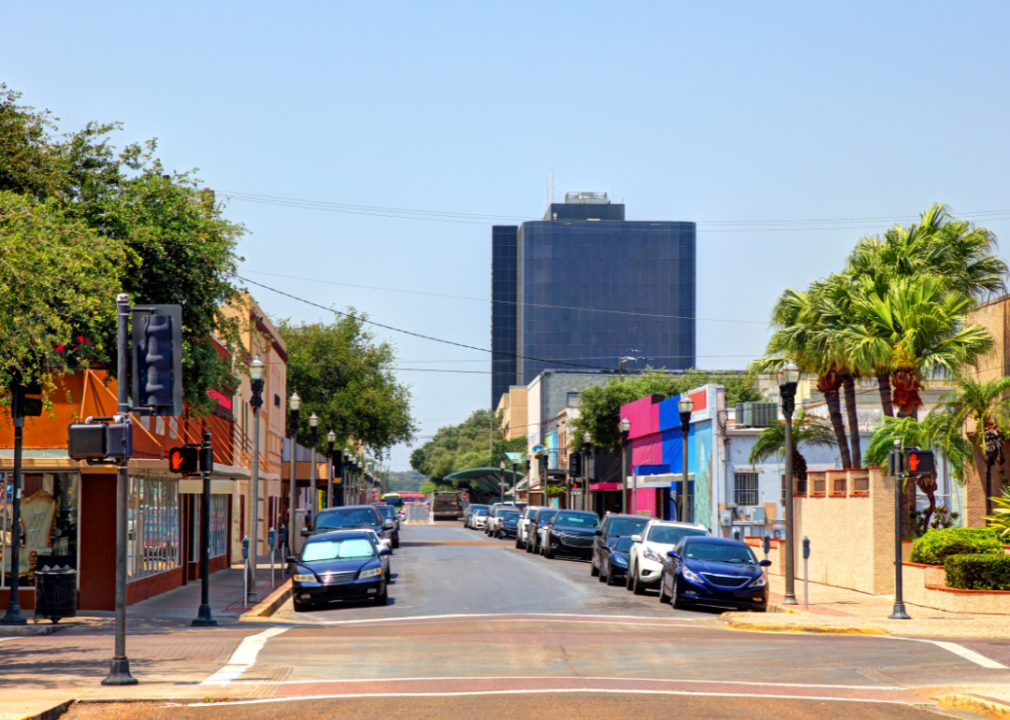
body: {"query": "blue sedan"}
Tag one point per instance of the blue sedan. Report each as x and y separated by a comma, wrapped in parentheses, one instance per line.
(716, 572)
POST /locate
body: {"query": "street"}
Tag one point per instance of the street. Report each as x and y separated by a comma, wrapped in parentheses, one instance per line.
(476, 628)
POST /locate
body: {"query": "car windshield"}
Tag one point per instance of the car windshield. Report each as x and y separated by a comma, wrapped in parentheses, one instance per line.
(388, 511)
(357, 517)
(349, 549)
(623, 545)
(508, 515)
(626, 526)
(586, 520)
(717, 552)
(546, 515)
(480, 512)
(671, 534)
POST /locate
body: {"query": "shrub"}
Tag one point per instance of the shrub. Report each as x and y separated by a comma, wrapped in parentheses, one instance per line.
(978, 572)
(936, 545)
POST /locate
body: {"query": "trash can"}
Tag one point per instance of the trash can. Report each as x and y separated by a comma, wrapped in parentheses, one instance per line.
(55, 593)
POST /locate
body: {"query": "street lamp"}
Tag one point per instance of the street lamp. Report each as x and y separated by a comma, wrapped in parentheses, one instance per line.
(587, 444)
(502, 465)
(294, 402)
(624, 428)
(331, 438)
(788, 377)
(256, 368)
(686, 407)
(314, 434)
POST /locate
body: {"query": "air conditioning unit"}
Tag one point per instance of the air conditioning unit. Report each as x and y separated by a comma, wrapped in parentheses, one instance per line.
(757, 414)
(751, 514)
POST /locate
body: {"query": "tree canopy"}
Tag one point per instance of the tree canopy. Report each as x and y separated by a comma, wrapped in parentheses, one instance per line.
(464, 446)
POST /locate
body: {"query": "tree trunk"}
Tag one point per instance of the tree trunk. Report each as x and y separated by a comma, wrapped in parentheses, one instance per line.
(849, 383)
(884, 387)
(835, 414)
(799, 472)
(928, 486)
(988, 486)
(906, 392)
(907, 508)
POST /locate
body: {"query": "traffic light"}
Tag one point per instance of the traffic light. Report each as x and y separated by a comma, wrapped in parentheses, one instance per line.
(575, 463)
(184, 460)
(157, 359)
(22, 404)
(920, 462)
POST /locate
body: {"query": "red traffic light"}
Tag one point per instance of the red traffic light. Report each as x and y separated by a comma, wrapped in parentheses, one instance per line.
(184, 460)
(920, 462)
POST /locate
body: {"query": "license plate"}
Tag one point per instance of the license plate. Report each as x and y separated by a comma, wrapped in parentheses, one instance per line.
(372, 590)
(305, 596)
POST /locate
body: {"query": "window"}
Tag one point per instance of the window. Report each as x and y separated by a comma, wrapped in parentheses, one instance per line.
(153, 526)
(218, 525)
(49, 506)
(277, 400)
(745, 487)
(573, 399)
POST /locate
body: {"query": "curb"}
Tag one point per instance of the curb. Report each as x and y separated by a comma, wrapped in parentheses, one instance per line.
(51, 714)
(269, 605)
(31, 629)
(975, 704)
(734, 624)
(773, 608)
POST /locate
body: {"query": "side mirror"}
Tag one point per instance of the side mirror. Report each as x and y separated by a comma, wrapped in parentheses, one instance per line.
(385, 551)
(305, 532)
(636, 538)
(290, 559)
(765, 563)
(599, 533)
(388, 525)
(673, 554)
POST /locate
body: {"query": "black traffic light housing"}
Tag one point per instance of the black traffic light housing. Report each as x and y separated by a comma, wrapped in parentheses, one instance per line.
(157, 359)
(101, 440)
(575, 463)
(22, 403)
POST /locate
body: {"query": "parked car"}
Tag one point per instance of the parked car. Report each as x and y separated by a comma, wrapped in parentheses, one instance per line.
(478, 520)
(381, 542)
(614, 561)
(389, 512)
(714, 571)
(648, 553)
(470, 509)
(507, 523)
(614, 527)
(353, 517)
(571, 532)
(540, 518)
(492, 517)
(338, 566)
(524, 521)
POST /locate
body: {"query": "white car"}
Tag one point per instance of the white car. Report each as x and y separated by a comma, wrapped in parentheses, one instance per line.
(648, 553)
(478, 519)
(524, 523)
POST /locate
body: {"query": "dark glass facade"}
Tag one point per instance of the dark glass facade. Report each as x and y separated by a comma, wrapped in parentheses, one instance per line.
(589, 292)
(504, 338)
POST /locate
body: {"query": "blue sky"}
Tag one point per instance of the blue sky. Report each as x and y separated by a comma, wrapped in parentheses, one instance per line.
(712, 112)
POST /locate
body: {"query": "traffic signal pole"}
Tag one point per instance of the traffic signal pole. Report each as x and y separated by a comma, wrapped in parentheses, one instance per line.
(119, 673)
(897, 466)
(13, 615)
(203, 615)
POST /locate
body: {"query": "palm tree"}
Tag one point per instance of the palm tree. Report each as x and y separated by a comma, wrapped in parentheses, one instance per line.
(981, 404)
(940, 432)
(808, 431)
(919, 326)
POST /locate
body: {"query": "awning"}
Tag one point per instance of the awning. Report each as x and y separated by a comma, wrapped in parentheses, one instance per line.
(487, 479)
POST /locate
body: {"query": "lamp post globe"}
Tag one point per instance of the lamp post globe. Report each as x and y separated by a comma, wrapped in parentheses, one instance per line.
(686, 404)
(256, 368)
(624, 427)
(294, 402)
(313, 420)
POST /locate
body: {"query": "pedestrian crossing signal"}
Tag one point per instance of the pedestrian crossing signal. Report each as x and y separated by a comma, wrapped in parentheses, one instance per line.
(920, 462)
(184, 460)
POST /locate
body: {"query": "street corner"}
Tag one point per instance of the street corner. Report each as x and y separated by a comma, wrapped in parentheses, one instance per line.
(977, 704)
(270, 605)
(752, 622)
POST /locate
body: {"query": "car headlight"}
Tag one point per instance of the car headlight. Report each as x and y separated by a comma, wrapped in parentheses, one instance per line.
(305, 578)
(652, 555)
(690, 576)
(759, 582)
(374, 572)
(618, 561)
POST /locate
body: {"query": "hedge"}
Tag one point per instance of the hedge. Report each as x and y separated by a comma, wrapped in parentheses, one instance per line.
(978, 572)
(936, 545)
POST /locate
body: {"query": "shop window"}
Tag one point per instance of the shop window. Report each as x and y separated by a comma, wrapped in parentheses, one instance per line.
(49, 512)
(153, 526)
(218, 525)
(159, 425)
(745, 488)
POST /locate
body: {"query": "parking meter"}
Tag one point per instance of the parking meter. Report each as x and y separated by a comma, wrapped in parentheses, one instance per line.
(245, 548)
(806, 574)
(767, 545)
(272, 538)
(284, 536)
(806, 548)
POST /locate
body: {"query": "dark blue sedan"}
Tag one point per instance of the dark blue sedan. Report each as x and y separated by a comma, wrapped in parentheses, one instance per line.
(339, 566)
(716, 572)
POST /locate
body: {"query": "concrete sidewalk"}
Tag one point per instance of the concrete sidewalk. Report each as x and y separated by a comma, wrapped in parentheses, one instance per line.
(842, 611)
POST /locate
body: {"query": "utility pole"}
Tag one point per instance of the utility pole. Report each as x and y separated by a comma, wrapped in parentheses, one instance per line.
(203, 615)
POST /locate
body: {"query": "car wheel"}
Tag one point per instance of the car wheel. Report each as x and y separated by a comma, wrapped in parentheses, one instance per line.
(611, 580)
(382, 599)
(548, 552)
(529, 546)
(637, 587)
(663, 597)
(388, 576)
(677, 604)
(593, 570)
(601, 577)
(631, 574)
(396, 541)
(302, 606)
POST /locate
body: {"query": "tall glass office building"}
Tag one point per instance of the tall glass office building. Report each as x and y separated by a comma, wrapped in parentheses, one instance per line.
(584, 287)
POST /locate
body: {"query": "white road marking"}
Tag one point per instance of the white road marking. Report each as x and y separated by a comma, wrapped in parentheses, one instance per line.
(977, 658)
(503, 617)
(569, 677)
(542, 692)
(243, 658)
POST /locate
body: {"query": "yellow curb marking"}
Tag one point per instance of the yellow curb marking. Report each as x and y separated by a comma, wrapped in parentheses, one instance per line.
(816, 629)
(979, 706)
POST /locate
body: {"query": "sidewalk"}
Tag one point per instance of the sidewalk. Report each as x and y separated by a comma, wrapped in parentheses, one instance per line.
(837, 610)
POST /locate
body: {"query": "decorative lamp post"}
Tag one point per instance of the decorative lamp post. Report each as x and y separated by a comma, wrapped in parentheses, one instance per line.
(686, 407)
(624, 428)
(502, 465)
(587, 448)
(256, 368)
(294, 402)
(788, 377)
(331, 439)
(313, 493)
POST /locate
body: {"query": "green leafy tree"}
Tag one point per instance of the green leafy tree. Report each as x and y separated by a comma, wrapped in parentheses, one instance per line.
(476, 442)
(348, 380)
(808, 431)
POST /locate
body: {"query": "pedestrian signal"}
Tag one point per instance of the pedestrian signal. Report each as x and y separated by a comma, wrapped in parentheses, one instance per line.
(920, 462)
(184, 460)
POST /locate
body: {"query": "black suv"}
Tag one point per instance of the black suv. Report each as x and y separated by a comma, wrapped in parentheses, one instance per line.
(354, 517)
(614, 528)
(571, 532)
